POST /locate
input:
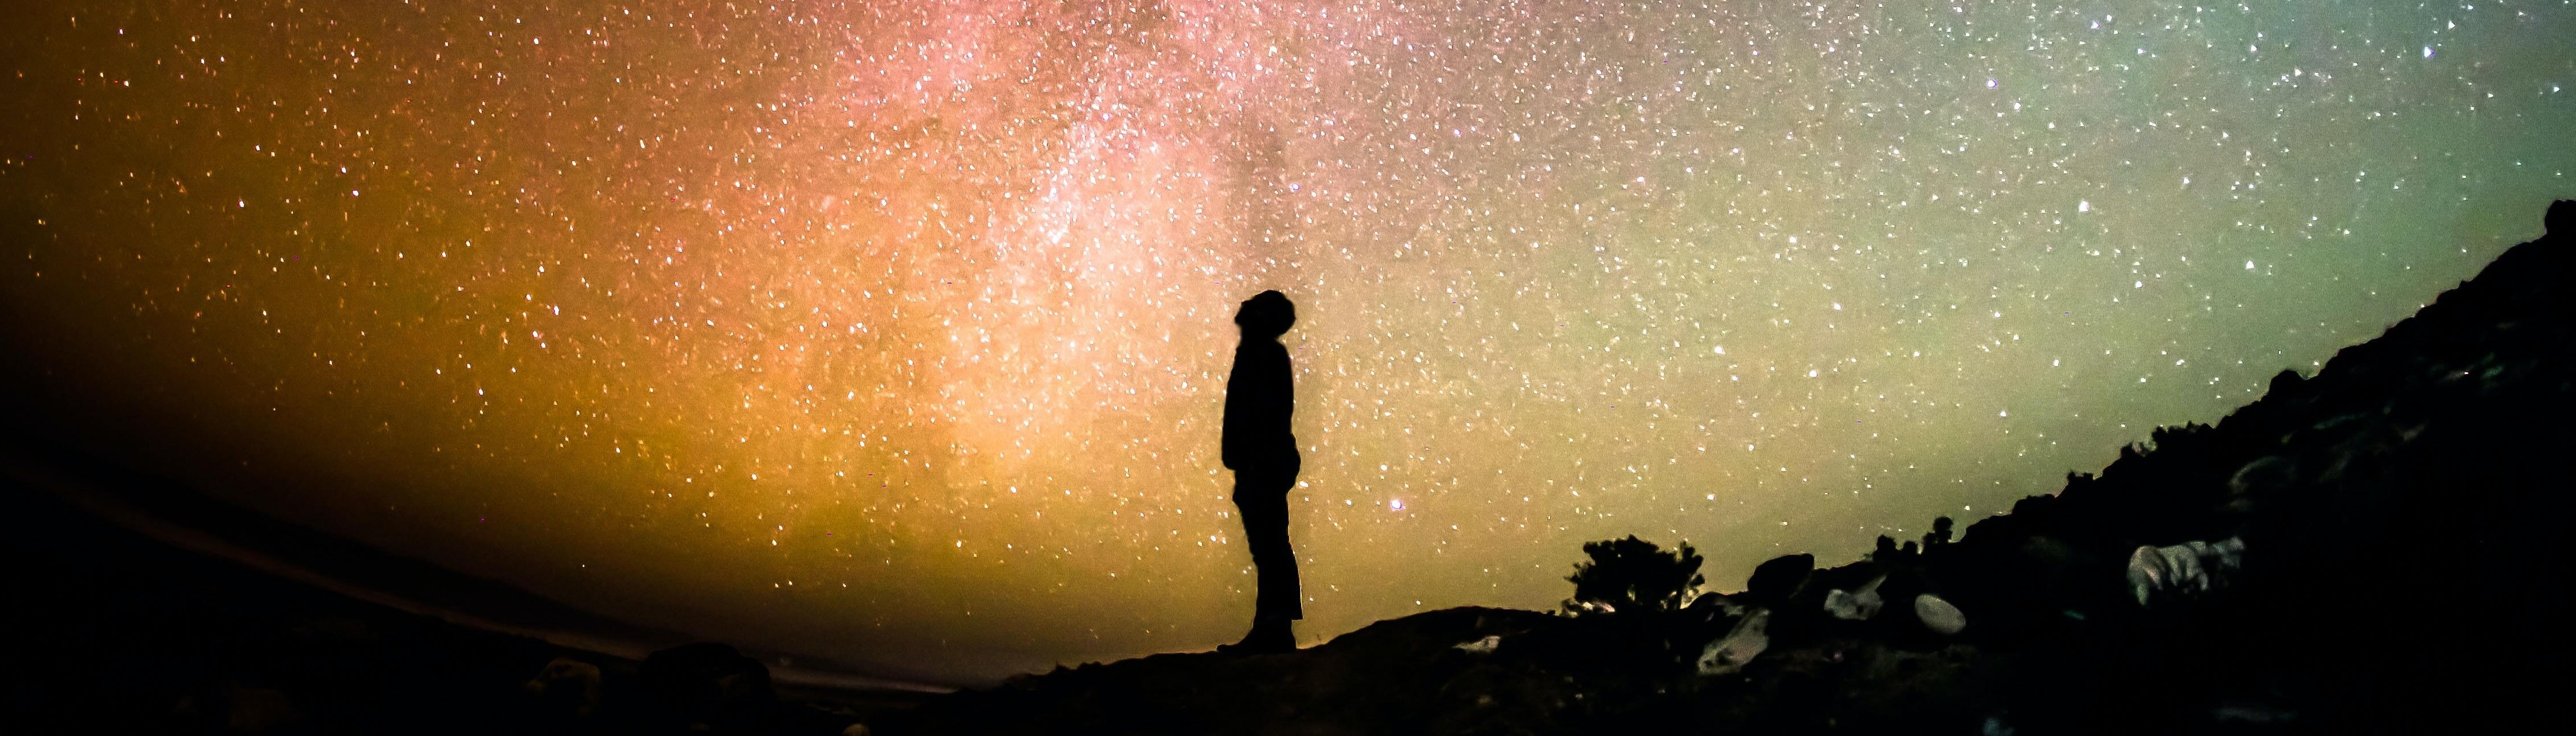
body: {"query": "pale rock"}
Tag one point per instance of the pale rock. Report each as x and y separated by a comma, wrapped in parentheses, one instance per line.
(1740, 645)
(2190, 568)
(1938, 615)
(1856, 605)
(1481, 646)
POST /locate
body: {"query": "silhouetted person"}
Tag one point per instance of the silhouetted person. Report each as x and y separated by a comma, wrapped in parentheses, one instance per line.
(1263, 455)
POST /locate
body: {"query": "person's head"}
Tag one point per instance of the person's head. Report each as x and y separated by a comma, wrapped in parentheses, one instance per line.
(2561, 220)
(1267, 314)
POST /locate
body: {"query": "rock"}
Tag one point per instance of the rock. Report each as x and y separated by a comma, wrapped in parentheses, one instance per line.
(1856, 605)
(567, 687)
(1776, 580)
(707, 683)
(2152, 569)
(1740, 645)
(1481, 646)
(2225, 556)
(259, 710)
(1719, 603)
(233, 708)
(2264, 477)
(2190, 568)
(1938, 615)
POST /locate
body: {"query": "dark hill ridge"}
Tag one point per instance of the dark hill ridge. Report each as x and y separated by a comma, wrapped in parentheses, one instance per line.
(2403, 517)
(144, 609)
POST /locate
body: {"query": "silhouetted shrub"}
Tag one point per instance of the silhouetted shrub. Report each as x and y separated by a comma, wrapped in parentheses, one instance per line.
(1940, 533)
(1886, 549)
(1632, 575)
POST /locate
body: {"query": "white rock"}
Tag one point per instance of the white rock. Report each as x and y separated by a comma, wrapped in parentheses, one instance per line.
(2225, 556)
(1857, 605)
(2146, 572)
(1481, 646)
(1740, 645)
(2189, 568)
(1938, 615)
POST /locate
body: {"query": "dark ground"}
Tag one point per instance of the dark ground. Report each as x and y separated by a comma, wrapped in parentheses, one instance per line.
(119, 632)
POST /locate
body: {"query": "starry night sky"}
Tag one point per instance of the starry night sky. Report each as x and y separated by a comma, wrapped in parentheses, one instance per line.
(898, 334)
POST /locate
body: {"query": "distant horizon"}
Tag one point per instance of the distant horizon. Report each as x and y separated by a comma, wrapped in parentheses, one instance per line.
(227, 543)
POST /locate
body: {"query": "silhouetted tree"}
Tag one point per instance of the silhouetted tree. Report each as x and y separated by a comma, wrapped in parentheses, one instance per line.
(1940, 533)
(1626, 575)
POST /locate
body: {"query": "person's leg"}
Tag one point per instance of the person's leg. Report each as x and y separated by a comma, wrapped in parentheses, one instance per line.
(1272, 556)
(1276, 565)
(1276, 598)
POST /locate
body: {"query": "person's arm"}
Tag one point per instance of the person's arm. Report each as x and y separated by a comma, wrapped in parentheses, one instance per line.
(1258, 402)
(1283, 396)
(1279, 405)
(1236, 429)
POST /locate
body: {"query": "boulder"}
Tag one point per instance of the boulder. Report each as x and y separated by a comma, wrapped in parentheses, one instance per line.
(1485, 645)
(566, 687)
(2186, 569)
(1740, 645)
(1856, 605)
(707, 683)
(1776, 580)
(1938, 615)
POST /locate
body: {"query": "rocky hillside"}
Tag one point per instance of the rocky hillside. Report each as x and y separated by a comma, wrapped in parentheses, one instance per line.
(2379, 548)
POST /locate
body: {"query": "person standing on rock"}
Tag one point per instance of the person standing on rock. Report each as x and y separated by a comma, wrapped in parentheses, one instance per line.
(1263, 455)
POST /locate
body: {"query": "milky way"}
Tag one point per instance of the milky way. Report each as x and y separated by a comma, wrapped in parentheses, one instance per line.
(898, 335)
